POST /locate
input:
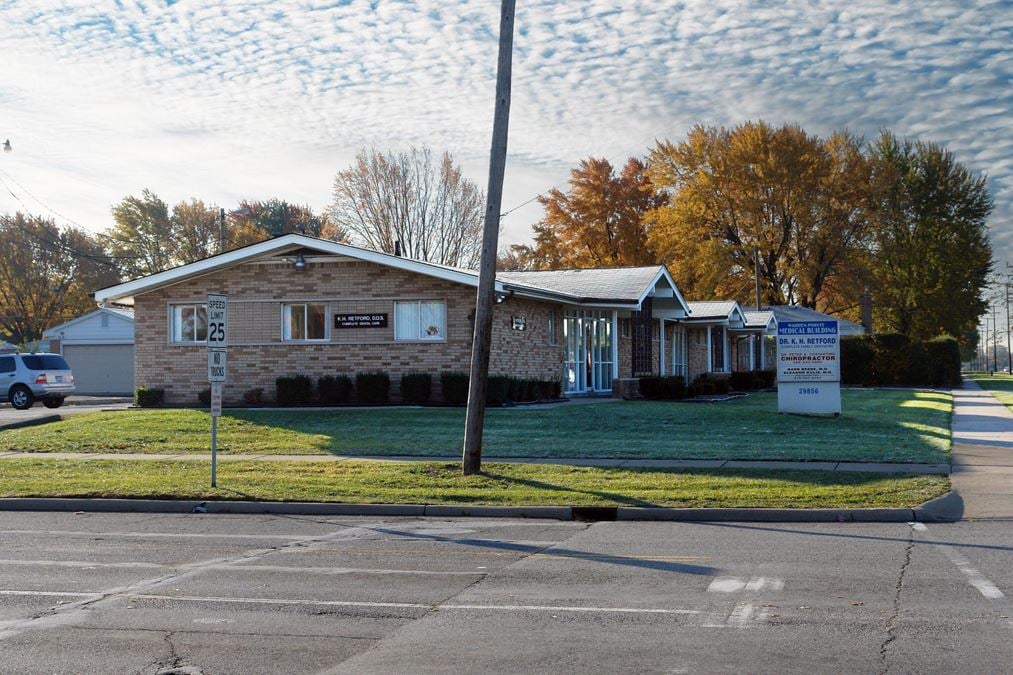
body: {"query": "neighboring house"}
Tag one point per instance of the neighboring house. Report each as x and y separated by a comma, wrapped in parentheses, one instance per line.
(8, 348)
(300, 305)
(99, 347)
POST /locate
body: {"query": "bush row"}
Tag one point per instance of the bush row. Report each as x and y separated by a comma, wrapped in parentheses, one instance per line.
(752, 380)
(895, 360)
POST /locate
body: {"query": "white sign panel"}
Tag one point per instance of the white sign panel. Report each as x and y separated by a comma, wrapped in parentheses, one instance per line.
(218, 321)
(808, 351)
(217, 365)
(216, 399)
(808, 367)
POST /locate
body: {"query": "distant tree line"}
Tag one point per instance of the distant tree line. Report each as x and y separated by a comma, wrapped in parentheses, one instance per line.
(828, 217)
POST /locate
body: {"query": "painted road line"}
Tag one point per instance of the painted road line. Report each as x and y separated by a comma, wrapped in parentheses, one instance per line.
(973, 576)
(411, 605)
(735, 584)
(52, 594)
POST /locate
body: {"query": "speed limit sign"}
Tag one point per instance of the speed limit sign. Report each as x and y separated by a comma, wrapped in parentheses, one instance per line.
(218, 321)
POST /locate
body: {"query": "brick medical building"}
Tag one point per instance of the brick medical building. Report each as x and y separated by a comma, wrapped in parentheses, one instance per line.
(305, 306)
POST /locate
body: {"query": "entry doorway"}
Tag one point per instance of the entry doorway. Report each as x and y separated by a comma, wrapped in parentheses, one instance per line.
(588, 337)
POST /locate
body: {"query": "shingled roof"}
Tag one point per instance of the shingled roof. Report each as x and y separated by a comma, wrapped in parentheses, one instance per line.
(619, 284)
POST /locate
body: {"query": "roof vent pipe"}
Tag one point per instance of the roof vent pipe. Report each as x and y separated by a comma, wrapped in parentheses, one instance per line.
(397, 247)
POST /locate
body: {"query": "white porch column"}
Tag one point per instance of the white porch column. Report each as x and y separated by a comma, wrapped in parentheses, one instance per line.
(759, 346)
(615, 345)
(710, 356)
(661, 347)
(752, 353)
(728, 353)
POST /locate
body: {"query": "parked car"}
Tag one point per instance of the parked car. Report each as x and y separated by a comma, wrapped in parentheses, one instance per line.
(27, 378)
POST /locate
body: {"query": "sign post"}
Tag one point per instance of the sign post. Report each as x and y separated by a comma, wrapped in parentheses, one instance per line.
(218, 331)
(808, 367)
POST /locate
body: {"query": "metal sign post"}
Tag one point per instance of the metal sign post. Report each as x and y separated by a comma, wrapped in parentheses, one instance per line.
(218, 324)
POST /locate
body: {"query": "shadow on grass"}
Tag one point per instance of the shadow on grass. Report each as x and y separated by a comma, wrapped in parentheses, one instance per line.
(542, 485)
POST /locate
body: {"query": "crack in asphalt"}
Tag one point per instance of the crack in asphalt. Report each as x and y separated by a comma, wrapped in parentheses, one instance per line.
(891, 621)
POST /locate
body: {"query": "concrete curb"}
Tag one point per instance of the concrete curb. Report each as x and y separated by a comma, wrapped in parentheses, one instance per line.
(929, 512)
(34, 422)
(946, 509)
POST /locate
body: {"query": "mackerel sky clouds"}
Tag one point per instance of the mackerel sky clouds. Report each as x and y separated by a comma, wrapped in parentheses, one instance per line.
(244, 99)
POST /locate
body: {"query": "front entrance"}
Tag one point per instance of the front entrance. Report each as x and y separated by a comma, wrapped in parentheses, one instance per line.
(588, 339)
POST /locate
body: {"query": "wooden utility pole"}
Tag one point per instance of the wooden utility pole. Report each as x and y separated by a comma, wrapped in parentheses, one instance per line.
(482, 340)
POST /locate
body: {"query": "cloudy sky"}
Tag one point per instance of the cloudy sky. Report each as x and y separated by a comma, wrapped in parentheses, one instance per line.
(254, 99)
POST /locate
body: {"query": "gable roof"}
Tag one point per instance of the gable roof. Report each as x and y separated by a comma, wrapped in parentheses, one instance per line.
(596, 286)
(618, 286)
(762, 319)
(715, 310)
(126, 314)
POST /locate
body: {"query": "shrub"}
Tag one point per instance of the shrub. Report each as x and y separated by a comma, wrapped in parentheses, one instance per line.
(768, 378)
(497, 390)
(253, 396)
(416, 387)
(742, 380)
(721, 385)
(294, 390)
(149, 397)
(454, 387)
(372, 387)
(890, 363)
(943, 352)
(334, 389)
(857, 356)
(670, 388)
(204, 396)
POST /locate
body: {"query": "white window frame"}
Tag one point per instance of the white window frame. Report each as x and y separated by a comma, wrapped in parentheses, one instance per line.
(286, 313)
(172, 322)
(420, 337)
(553, 337)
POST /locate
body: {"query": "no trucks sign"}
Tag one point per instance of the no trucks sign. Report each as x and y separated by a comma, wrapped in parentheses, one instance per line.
(808, 367)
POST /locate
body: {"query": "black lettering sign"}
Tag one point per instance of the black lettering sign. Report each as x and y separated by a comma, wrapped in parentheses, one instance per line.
(365, 320)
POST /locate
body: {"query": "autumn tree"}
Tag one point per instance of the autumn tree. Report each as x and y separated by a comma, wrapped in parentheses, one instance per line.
(598, 222)
(47, 274)
(254, 221)
(798, 199)
(142, 235)
(423, 203)
(931, 250)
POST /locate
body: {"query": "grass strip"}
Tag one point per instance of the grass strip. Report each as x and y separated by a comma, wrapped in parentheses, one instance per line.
(999, 385)
(877, 426)
(442, 483)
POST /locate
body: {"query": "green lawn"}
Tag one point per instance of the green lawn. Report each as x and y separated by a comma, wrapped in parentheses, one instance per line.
(442, 483)
(877, 425)
(999, 385)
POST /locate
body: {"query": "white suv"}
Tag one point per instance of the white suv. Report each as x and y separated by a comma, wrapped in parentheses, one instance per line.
(25, 378)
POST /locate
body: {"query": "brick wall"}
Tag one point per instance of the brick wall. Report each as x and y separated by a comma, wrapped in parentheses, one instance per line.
(697, 348)
(257, 355)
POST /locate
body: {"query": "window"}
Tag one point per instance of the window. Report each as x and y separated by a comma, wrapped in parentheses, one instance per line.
(420, 321)
(189, 323)
(718, 349)
(45, 362)
(552, 327)
(624, 327)
(6, 364)
(304, 321)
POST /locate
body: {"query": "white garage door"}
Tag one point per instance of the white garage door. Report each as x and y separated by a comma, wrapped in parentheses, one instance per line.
(101, 369)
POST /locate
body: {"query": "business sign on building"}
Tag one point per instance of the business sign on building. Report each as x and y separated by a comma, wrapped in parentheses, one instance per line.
(360, 320)
(808, 367)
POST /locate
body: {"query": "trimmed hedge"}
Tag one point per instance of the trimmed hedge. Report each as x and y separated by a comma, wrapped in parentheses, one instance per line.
(497, 390)
(253, 396)
(416, 387)
(204, 396)
(293, 390)
(893, 360)
(149, 397)
(333, 389)
(372, 387)
(454, 387)
(752, 380)
(672, 388)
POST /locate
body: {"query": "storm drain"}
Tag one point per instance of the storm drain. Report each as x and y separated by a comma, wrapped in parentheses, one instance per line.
(591, 514)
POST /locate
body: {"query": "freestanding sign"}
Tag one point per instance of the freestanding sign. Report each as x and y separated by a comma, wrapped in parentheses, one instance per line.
(218, 340)
(808, 367)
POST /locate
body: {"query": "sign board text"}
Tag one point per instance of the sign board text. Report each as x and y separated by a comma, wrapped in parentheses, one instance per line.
(808, 367)
(218, 321)
(360, 320)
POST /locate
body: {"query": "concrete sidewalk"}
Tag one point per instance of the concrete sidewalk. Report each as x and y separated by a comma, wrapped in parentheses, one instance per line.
(861, 467)
(982, 453)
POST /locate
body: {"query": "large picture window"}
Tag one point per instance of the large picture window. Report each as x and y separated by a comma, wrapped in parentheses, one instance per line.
(304, 321)
(189, 323)
(420, 320)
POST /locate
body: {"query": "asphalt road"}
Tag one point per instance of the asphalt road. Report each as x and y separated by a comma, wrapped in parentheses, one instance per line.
(8, 415)
(135, 593)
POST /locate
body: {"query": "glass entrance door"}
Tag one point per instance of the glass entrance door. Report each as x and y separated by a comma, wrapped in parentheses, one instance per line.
(588, 339)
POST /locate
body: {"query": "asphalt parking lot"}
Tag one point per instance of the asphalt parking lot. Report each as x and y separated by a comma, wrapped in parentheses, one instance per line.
(143, 593)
